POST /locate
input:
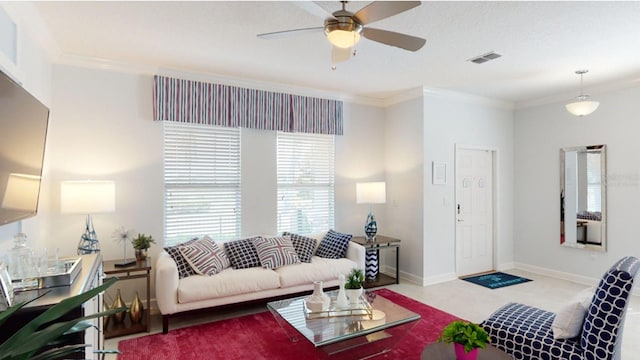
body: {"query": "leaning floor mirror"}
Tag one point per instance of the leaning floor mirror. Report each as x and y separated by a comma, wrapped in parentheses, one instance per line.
(583, 197)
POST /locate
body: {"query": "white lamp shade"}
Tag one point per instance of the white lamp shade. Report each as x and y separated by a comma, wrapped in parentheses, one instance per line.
(371, 193)
(87, 197)
(582, 108)
(22, 192)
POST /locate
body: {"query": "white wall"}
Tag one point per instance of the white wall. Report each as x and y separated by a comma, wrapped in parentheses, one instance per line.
(540, 132)
(360, 154)
(404, 173)
(451, 119)
(34, 72)
(101, 128)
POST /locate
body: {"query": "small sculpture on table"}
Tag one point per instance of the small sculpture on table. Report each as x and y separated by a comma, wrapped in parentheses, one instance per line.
(123, 235)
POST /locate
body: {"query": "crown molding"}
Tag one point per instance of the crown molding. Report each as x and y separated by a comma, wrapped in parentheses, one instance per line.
(593, 91)
(403, 96)
(428, 92)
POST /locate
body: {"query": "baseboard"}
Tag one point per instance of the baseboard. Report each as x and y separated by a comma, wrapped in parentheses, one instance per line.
(404, 276)
(585, 280)
(437, 279)
(506, 266)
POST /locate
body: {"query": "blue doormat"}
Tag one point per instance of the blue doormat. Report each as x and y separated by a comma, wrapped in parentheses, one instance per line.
(496, 280)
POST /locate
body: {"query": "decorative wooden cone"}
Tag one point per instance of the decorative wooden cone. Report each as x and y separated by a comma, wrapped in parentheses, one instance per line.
(118, 303)
(136, 311)
(107, 319)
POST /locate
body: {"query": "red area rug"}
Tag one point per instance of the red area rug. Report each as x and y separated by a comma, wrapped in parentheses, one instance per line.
(259, 336)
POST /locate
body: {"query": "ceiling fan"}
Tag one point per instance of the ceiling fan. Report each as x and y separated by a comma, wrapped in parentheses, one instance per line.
(344, 29)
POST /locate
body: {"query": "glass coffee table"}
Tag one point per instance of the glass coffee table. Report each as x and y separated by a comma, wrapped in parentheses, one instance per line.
(346, 334)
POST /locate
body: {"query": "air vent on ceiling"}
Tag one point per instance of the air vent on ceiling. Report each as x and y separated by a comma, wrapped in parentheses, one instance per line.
(485, 57)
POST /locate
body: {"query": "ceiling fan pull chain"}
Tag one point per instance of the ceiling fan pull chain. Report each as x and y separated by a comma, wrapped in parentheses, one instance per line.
(333, 58)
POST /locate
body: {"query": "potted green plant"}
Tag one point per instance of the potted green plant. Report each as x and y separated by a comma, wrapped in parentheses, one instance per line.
(42, 338)
(141, 244)
(354, 285)
(467, 338)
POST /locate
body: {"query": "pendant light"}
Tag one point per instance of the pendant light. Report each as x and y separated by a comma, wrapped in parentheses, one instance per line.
(582, 106)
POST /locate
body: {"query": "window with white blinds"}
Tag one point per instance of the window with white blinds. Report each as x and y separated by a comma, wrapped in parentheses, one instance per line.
(305, 182)
(201, 182)
(594, 181)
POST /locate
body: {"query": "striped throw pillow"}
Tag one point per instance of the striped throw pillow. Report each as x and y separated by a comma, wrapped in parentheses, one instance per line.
(275, 252)
(205, 257)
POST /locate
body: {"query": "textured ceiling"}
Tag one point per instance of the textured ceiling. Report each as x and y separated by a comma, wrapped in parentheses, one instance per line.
(542, 44)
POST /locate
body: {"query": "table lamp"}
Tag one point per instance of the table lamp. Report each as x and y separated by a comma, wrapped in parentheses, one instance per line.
(371, 193)
(87, 197)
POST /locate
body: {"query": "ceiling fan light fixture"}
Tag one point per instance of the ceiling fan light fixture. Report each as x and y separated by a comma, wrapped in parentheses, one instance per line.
(342, 31)
(343, 39)
(582, 106)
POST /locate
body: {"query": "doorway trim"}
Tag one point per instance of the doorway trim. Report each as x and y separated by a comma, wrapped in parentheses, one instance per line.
(495, 198)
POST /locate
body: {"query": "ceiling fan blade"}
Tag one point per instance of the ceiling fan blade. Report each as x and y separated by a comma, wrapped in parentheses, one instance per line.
(404, 41)
(288, 33)
(379, 10)
(314, 9)
(340, 54)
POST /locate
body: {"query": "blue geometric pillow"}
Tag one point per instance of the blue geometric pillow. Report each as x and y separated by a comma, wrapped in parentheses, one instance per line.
(305, 246)
(334, 245)
(242, 254)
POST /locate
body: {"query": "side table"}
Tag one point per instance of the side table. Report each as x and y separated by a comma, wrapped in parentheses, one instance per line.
(138, 270)
(381, 243)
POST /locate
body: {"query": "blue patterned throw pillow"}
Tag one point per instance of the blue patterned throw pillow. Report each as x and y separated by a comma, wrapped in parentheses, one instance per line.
(334, 245)
(305, 246)
(242, 254)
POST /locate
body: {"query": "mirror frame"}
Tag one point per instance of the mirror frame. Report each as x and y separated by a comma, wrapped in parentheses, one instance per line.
(602, 149)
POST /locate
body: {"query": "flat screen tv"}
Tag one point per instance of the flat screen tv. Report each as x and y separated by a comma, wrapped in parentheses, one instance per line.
(23, 132)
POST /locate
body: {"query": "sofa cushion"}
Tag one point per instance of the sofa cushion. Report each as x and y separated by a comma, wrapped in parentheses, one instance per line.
(205, 257)
(275, 252)
(569, 320)
(305, 246)
(184, 268)
(227, 283)
(334, 245)
(242, 254)
(318, 269)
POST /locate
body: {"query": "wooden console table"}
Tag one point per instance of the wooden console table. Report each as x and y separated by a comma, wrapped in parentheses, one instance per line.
(381, 243)
(138, 270)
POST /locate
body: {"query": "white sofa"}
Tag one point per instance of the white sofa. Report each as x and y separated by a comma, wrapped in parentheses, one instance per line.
(233, 286)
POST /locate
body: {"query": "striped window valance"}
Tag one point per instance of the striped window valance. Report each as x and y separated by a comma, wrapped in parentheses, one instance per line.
(203, 103)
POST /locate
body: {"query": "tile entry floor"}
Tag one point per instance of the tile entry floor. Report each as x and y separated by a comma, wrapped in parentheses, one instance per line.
(461, 298)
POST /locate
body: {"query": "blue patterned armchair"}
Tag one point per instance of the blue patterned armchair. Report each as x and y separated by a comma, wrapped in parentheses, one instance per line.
(525, 332)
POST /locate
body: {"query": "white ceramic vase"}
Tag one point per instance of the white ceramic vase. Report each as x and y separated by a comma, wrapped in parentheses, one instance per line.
(341, 300)
(318, 301)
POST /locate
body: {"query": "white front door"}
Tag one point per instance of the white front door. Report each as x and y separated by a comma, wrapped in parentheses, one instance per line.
(474, 211)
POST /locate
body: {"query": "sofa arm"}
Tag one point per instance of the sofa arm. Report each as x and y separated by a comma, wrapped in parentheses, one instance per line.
(356, 252)
(166, 284)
